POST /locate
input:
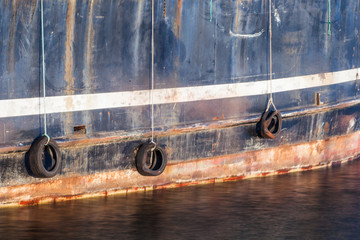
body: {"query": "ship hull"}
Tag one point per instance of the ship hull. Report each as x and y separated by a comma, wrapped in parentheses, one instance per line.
(105, 166)
(193, 76)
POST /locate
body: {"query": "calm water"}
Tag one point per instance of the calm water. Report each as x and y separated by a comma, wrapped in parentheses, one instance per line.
(320, 204)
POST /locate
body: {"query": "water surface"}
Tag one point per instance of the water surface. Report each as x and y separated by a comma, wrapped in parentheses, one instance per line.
(319, 204)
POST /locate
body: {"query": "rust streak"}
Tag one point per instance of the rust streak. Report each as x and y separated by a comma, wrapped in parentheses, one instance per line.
(88, 70)
(69, 64)
(29, 203)
(238, 16)
(178, 16)
(89, 56)
(282, 171)
(42, 191)
(70, 27)
(233, 178)
(177, 31)
(307, 167)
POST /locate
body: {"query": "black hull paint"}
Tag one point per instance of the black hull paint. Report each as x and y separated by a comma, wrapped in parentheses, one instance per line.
(100, 47)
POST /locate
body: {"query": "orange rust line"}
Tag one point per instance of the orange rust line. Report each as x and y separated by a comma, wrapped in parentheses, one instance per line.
(266, 162)
(47, 200)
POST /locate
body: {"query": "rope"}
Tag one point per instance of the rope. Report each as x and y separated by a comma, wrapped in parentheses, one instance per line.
(329, 19)
(210, 10)
(43, 68)
(152, 75)
(271, 101)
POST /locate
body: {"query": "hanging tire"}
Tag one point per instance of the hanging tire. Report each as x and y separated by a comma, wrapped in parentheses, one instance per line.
(270, 124)
(44, 160)
(147, 166)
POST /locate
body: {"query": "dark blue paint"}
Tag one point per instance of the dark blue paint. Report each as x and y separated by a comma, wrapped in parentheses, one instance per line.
(189, 146)
(112, 52)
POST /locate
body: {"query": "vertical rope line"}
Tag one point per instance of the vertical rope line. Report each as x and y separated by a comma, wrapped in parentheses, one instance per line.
(152, 71)
(270, 47)
(211, 2)
(270, 59)
(43, 65)
(329, 18)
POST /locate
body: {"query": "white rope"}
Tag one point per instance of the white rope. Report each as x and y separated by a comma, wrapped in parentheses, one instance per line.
(271, 101)
(329, 18)
(152, 73)
(43, 67)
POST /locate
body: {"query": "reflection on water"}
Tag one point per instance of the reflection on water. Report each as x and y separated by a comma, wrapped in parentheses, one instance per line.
(320, 204)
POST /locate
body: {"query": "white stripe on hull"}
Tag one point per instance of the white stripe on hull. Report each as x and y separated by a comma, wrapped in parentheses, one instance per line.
(84, 102)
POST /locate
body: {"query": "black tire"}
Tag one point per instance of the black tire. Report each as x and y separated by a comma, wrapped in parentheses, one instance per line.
(145, 165)
(270, 124)
(39, 152)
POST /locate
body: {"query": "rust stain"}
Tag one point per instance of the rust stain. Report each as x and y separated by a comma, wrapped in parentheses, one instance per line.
(233, 178)
(69, 64)
(44, 200)
(70, 28)
(213, 146)
(178, 16)
(266, 162)
(29, 203)
(307, 167)
(82, 141)
(177, 31)
(282, 171)
(183, 184)
(164, 8)
(322, 76)
(238, 16)
(272, 161)
(326, 127)
(218, 118)
(32, 9)
(88, 72)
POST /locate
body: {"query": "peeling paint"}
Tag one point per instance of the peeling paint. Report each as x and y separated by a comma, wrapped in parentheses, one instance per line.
(278, 160)
(211, 86)
(238, 35)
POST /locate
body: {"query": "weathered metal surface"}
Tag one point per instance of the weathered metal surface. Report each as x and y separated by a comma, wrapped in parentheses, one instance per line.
(118, 153)
(104, 46)
(278, 160)
(96, 49)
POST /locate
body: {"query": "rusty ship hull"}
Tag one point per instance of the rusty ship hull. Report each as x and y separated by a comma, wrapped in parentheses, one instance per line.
(195, 75)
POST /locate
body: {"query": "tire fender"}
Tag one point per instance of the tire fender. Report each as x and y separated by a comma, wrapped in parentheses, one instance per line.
(39, 150)
(270, 124)
(150, 167)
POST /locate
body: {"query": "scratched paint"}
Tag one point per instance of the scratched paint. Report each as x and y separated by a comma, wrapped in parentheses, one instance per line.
(97, 49)
(86, 156)
(226, 168)
(102, 47)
